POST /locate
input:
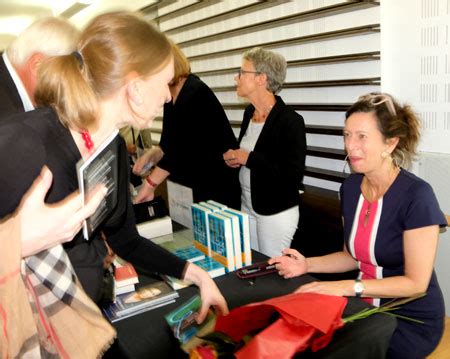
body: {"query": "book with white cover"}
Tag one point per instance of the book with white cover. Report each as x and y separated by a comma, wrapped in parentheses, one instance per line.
(124, 289)
(217, 204)
(221, 238)
(236, 238)
(156, 227)
(102, 167)
(210, 206)
(244, 229)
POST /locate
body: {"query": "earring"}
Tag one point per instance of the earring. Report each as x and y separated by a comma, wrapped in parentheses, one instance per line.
(398, 163)
(345, 164)
(385, 154)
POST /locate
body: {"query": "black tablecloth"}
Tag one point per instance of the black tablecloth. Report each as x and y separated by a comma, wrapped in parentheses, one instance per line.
(148, 336)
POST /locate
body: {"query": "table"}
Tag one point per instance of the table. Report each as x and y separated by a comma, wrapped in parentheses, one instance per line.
(147, 335)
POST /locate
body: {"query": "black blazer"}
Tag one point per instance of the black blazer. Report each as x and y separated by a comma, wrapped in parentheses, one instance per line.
(196, 132)
(10, 101)
(277, 162)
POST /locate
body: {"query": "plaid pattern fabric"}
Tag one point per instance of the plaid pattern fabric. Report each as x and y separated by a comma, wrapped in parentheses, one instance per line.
(53, 269)
(44, 312)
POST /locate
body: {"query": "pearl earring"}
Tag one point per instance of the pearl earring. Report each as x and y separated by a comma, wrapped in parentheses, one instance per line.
(385, 154)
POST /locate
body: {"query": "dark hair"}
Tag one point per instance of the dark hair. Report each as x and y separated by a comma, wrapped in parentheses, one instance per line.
(111, 47)
(393, 120)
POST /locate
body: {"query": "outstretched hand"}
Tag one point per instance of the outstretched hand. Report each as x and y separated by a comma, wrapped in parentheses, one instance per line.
(150, 158)
(209, 293)
(291, 264)
(43, 225)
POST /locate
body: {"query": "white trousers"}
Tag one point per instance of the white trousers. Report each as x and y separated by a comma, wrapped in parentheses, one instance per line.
(270, 234)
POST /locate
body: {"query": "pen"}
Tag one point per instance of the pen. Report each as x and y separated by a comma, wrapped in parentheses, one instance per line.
(258, 269)
(147, 167)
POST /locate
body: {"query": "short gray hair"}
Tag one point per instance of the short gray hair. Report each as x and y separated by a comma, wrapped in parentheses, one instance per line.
(50, 36)
(270, 63)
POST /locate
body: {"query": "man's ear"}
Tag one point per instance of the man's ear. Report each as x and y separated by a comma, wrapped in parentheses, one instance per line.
(33, 63)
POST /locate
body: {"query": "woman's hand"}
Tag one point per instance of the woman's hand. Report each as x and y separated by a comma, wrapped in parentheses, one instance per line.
(210, 294)
(340, 288)
(43, 225)
(147, 160)
(146, 193)
(236, 158)
(290, 264)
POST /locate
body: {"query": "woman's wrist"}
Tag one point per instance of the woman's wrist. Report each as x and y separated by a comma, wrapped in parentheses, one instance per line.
(151, 183)
(195, 274)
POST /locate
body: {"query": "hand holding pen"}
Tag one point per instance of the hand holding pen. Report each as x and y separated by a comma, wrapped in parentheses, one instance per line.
(291, 264)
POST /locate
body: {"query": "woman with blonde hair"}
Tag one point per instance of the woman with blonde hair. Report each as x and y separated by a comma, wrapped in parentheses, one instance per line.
(118, 76)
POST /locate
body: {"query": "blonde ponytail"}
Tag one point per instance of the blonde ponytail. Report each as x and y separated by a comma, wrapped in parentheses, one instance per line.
(62, 84)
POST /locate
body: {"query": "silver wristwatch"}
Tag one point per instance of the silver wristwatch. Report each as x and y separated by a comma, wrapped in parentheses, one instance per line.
(358, 287)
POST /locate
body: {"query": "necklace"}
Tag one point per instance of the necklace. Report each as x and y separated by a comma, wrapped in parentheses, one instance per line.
(263, 116)
(376, 197)
(366, 216)
(89, 144)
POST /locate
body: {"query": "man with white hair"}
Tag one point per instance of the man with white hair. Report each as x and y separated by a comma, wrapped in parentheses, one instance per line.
(46, 37)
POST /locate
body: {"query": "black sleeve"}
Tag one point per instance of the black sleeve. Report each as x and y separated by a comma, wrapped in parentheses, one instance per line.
(125, 240)
(204, 125)
(22, 156)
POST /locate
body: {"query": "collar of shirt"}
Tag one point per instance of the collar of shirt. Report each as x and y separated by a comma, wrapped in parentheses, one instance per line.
(27, 104)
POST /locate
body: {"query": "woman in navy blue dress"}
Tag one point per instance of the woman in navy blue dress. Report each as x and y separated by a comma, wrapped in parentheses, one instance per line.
(391, 226)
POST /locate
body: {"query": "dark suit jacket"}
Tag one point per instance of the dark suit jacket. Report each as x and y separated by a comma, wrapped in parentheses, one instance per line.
(196, 132)
(10, 101)
(277, 162)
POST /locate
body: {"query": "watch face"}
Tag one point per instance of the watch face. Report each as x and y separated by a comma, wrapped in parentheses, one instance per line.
(359, 287)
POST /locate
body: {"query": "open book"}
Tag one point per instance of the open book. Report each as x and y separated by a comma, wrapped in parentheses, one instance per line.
(100, 168)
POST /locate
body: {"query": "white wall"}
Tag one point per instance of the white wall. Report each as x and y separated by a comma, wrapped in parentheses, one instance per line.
(415, 67)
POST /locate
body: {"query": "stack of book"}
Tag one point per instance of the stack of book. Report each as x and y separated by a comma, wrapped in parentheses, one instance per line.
(143, 299)
(224, 231)
(181, 245)
(221, 241)
(125, 277)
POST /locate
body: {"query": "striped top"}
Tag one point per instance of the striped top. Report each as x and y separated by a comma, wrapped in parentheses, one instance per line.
(373, 231)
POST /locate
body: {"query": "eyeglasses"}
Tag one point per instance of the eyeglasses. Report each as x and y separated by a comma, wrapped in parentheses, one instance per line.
(378, 99)
(242, 72)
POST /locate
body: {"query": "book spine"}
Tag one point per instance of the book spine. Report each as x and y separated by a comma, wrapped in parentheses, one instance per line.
(236, 236)
(201, 229)
(244, 231)
(222, 241)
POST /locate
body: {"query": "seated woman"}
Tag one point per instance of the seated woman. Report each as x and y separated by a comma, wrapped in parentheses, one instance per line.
(28, 308)
(391, 226)
(272, 153)
(119, 76)
(196, 133)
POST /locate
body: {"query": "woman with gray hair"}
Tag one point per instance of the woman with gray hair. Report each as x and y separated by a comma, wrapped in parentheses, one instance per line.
(271, 154)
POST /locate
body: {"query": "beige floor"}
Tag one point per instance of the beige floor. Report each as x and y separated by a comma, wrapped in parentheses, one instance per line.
(443, 350)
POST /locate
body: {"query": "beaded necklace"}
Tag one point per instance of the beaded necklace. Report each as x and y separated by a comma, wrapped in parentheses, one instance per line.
(87, 141)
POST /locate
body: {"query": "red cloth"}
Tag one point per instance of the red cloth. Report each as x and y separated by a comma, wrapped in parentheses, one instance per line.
(306, 319)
